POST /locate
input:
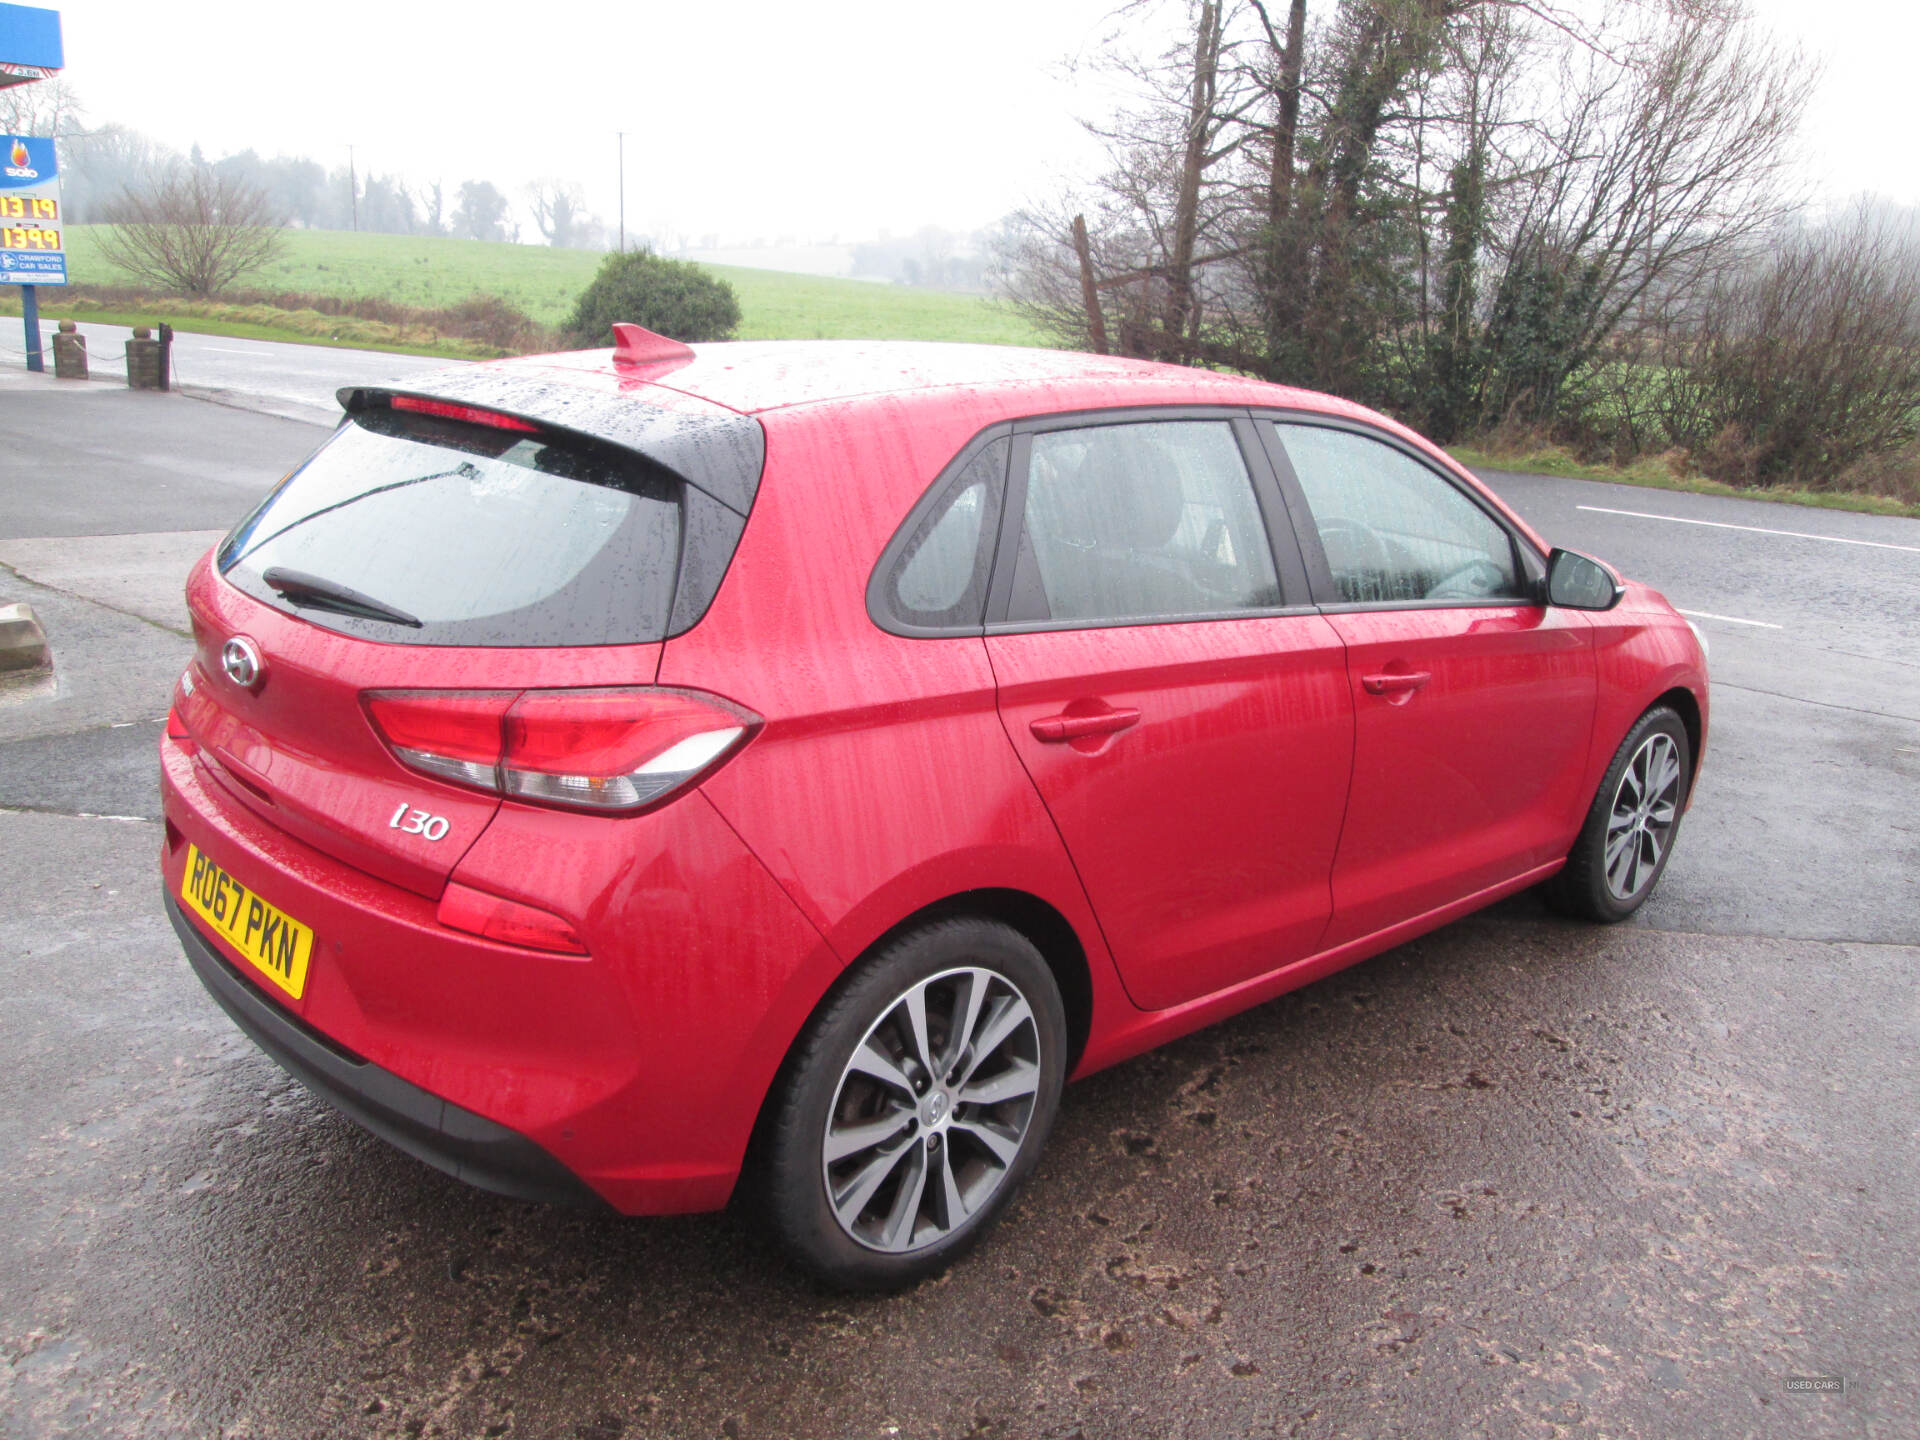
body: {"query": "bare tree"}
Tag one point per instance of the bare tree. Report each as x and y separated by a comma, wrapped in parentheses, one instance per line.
(1452, 209)
(45, 107)
(558, 211)
(1039, 267)
(1282, 79)
(433, 201)
(1657, 174)
(1803, 361)
(192, 230)
(1462, 118)
(1197, 153)
(97, 165)
(1156, 227)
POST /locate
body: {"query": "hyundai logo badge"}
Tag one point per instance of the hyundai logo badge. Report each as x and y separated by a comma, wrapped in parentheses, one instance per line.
(240, 658)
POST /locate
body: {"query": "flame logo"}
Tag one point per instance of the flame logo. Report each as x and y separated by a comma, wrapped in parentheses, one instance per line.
(19, 156)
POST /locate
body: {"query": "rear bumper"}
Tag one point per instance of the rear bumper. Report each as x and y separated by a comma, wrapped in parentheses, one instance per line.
(638, 1069)
(466, 1146)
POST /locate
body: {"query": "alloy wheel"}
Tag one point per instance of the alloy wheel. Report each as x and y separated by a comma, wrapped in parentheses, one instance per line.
(1646, 806)
(931, 1110)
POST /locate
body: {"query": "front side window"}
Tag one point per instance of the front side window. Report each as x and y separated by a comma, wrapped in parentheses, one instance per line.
(1141, 521)
(1393, 530)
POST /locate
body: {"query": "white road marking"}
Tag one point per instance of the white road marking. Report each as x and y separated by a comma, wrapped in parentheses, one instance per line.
(1730, 619)
(1751, 529)
(225, 350)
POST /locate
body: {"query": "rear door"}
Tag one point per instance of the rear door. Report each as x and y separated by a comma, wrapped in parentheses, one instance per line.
(464, 550)
(1473, 700)
(1183, 711)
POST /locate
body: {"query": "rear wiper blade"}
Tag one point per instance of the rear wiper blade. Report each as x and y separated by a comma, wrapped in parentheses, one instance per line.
(304, 589)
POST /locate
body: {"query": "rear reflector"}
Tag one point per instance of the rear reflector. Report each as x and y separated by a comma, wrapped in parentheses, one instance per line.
(613, 751)
(497, 918)
(472, 414)
(177, 727)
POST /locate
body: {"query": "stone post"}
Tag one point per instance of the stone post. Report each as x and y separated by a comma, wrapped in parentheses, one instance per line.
(23, 643)
(69, 353)
(143, 360)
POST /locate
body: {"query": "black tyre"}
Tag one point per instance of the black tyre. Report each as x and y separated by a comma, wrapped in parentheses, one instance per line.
(916, 1104)
(1630, 830)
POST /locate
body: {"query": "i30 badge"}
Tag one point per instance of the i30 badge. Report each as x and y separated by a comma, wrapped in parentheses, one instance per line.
(240, 658)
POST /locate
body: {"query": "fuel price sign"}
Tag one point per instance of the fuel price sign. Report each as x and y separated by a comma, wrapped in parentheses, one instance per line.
(31, 252)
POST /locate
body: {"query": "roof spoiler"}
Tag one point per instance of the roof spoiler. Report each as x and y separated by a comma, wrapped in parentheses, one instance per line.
(714, 449)
(636, 346)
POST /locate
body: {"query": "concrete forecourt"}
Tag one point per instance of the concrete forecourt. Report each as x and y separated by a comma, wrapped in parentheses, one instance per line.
(1520, 1175)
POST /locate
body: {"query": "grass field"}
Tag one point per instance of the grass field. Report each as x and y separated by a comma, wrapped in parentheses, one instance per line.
(202, 325)
(544, 282)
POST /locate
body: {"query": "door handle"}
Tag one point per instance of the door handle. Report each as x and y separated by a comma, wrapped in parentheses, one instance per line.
(1395, 684)
(1072, 727)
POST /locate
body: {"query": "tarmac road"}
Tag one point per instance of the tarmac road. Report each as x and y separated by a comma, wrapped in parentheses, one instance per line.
(267, 376)
(1520, 1178)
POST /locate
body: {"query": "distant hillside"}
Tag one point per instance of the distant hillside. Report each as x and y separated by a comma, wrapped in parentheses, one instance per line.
(435, 272)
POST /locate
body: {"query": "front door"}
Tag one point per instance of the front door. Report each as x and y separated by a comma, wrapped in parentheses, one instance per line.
(1473, 702)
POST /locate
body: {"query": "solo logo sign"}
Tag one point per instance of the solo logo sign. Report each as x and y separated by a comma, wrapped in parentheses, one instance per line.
(29, 161)
(32, 248)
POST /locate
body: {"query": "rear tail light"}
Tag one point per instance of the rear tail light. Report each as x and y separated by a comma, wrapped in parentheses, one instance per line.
(613, 751)
(450, 735)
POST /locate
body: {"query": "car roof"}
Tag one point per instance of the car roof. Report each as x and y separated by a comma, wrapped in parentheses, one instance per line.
(753, 377)
(586, 389)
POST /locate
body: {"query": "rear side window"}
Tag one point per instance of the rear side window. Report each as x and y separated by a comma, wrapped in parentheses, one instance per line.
(1141, 521)
(483, 536)
(935, 578)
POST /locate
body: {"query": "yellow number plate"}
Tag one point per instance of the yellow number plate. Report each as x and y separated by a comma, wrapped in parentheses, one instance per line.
(275, 944)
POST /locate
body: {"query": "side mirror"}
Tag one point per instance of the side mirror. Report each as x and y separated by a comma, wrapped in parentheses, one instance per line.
(1578, 583)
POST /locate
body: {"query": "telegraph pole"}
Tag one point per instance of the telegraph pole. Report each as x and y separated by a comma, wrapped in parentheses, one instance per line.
(623, 190)
(353, 187)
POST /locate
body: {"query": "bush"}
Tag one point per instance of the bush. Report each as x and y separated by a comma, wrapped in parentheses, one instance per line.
(675, 298)
(491, 321)
(1893, 473)
(1804, 365)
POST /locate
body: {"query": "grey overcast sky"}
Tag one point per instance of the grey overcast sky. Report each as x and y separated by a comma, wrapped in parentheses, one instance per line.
(1859, 130)
(750, 118)
(747, 118)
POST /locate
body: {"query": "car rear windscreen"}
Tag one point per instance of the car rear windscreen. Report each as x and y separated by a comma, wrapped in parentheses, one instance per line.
(418, 530)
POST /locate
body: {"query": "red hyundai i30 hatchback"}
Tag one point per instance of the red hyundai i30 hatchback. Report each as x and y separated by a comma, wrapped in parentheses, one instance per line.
(605, 775)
